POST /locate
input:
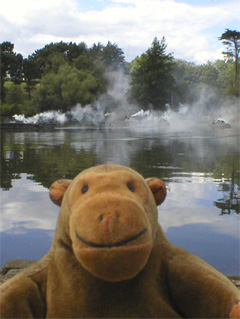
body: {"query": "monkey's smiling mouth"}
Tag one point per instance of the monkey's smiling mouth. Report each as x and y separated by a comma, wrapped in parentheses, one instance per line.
(117, 244)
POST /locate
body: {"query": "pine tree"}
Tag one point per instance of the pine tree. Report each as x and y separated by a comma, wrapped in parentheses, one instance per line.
(151, 77)
(232, 41)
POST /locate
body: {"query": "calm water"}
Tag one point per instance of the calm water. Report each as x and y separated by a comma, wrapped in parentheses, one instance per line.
(199, 168)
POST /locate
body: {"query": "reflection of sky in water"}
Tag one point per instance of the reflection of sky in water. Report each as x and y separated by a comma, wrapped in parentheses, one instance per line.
(192, 222)
(28, 220)
(27, 205)
(185, 161)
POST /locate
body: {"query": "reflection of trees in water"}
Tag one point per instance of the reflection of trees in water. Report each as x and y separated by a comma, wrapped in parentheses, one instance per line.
(230, 202)
(43, 165)
(64, 154)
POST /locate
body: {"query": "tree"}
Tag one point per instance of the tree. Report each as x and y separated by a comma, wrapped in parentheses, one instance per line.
(15, 100)
(152, 81)
(208, 75)
(231, 39)
(113, 56)
(191, 79)
(53, 54)
(11, 65)
(15, 95)
(96, 51)
(31, 73)
(75, 50)
(44, 57)
(66, 88)
(225, 81)
(6, 53)
(16, 69)
(186, 77)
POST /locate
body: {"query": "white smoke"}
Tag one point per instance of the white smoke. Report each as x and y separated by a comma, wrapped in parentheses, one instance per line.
(55, 117)
(88, 114)
(113, 108)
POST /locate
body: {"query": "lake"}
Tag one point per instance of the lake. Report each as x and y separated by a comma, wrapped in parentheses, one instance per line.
(199, 167)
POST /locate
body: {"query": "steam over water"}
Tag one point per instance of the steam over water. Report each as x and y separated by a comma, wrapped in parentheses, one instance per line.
(113, 109)
(185, 118)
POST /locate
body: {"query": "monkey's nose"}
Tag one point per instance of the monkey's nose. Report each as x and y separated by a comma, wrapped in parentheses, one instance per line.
(109, 216)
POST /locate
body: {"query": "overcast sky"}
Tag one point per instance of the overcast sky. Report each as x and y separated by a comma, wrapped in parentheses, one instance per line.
(191, 27)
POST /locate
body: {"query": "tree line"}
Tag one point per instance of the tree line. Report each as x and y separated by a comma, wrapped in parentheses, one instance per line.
(61, 75)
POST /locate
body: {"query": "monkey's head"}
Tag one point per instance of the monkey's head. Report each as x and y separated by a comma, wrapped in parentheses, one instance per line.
(109, 219)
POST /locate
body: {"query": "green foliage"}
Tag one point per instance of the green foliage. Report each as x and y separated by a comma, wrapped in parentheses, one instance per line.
(16, 101)
(208, 74)
(8, 110)
(15, 95)
(11, 66)
(225, 79)
(30, 70)
(53, 62)
(69, 73)
(191, 79)
(231, 39)
(113, 56)
(186, 77)
(16, 69)
(83, 62)
(151, 77)
(44, 58)
(96, 67)
(66, 88)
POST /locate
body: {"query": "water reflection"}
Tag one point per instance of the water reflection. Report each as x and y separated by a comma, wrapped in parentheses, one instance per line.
(196, 167)
(65, 153)
(230, 201)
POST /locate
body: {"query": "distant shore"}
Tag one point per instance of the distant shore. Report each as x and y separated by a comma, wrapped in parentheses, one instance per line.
(15, 266)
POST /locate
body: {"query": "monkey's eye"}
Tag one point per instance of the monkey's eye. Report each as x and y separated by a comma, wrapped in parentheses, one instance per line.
(84, 188)
(131, 187)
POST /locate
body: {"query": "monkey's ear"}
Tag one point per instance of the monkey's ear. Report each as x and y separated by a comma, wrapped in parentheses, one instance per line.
(58, 189)
(158, 189)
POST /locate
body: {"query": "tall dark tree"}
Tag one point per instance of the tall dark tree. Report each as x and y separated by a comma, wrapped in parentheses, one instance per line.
(16, 69)
(96, 50)
(75, 50)
(231, 39)
(11, 65)
(113, 56)
(152, 81)
(31, 74)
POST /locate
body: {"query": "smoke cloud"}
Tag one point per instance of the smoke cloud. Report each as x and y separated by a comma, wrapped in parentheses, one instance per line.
(113, 108)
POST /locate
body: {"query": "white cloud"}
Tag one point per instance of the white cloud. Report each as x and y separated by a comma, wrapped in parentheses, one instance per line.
(180, 209)
(191, 31)
(25, 209)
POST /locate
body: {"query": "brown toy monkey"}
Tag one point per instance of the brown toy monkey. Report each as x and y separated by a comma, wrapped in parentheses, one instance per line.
(110, 258)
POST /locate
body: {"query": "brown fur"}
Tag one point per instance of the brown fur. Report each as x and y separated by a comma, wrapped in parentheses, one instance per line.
(111, 259)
